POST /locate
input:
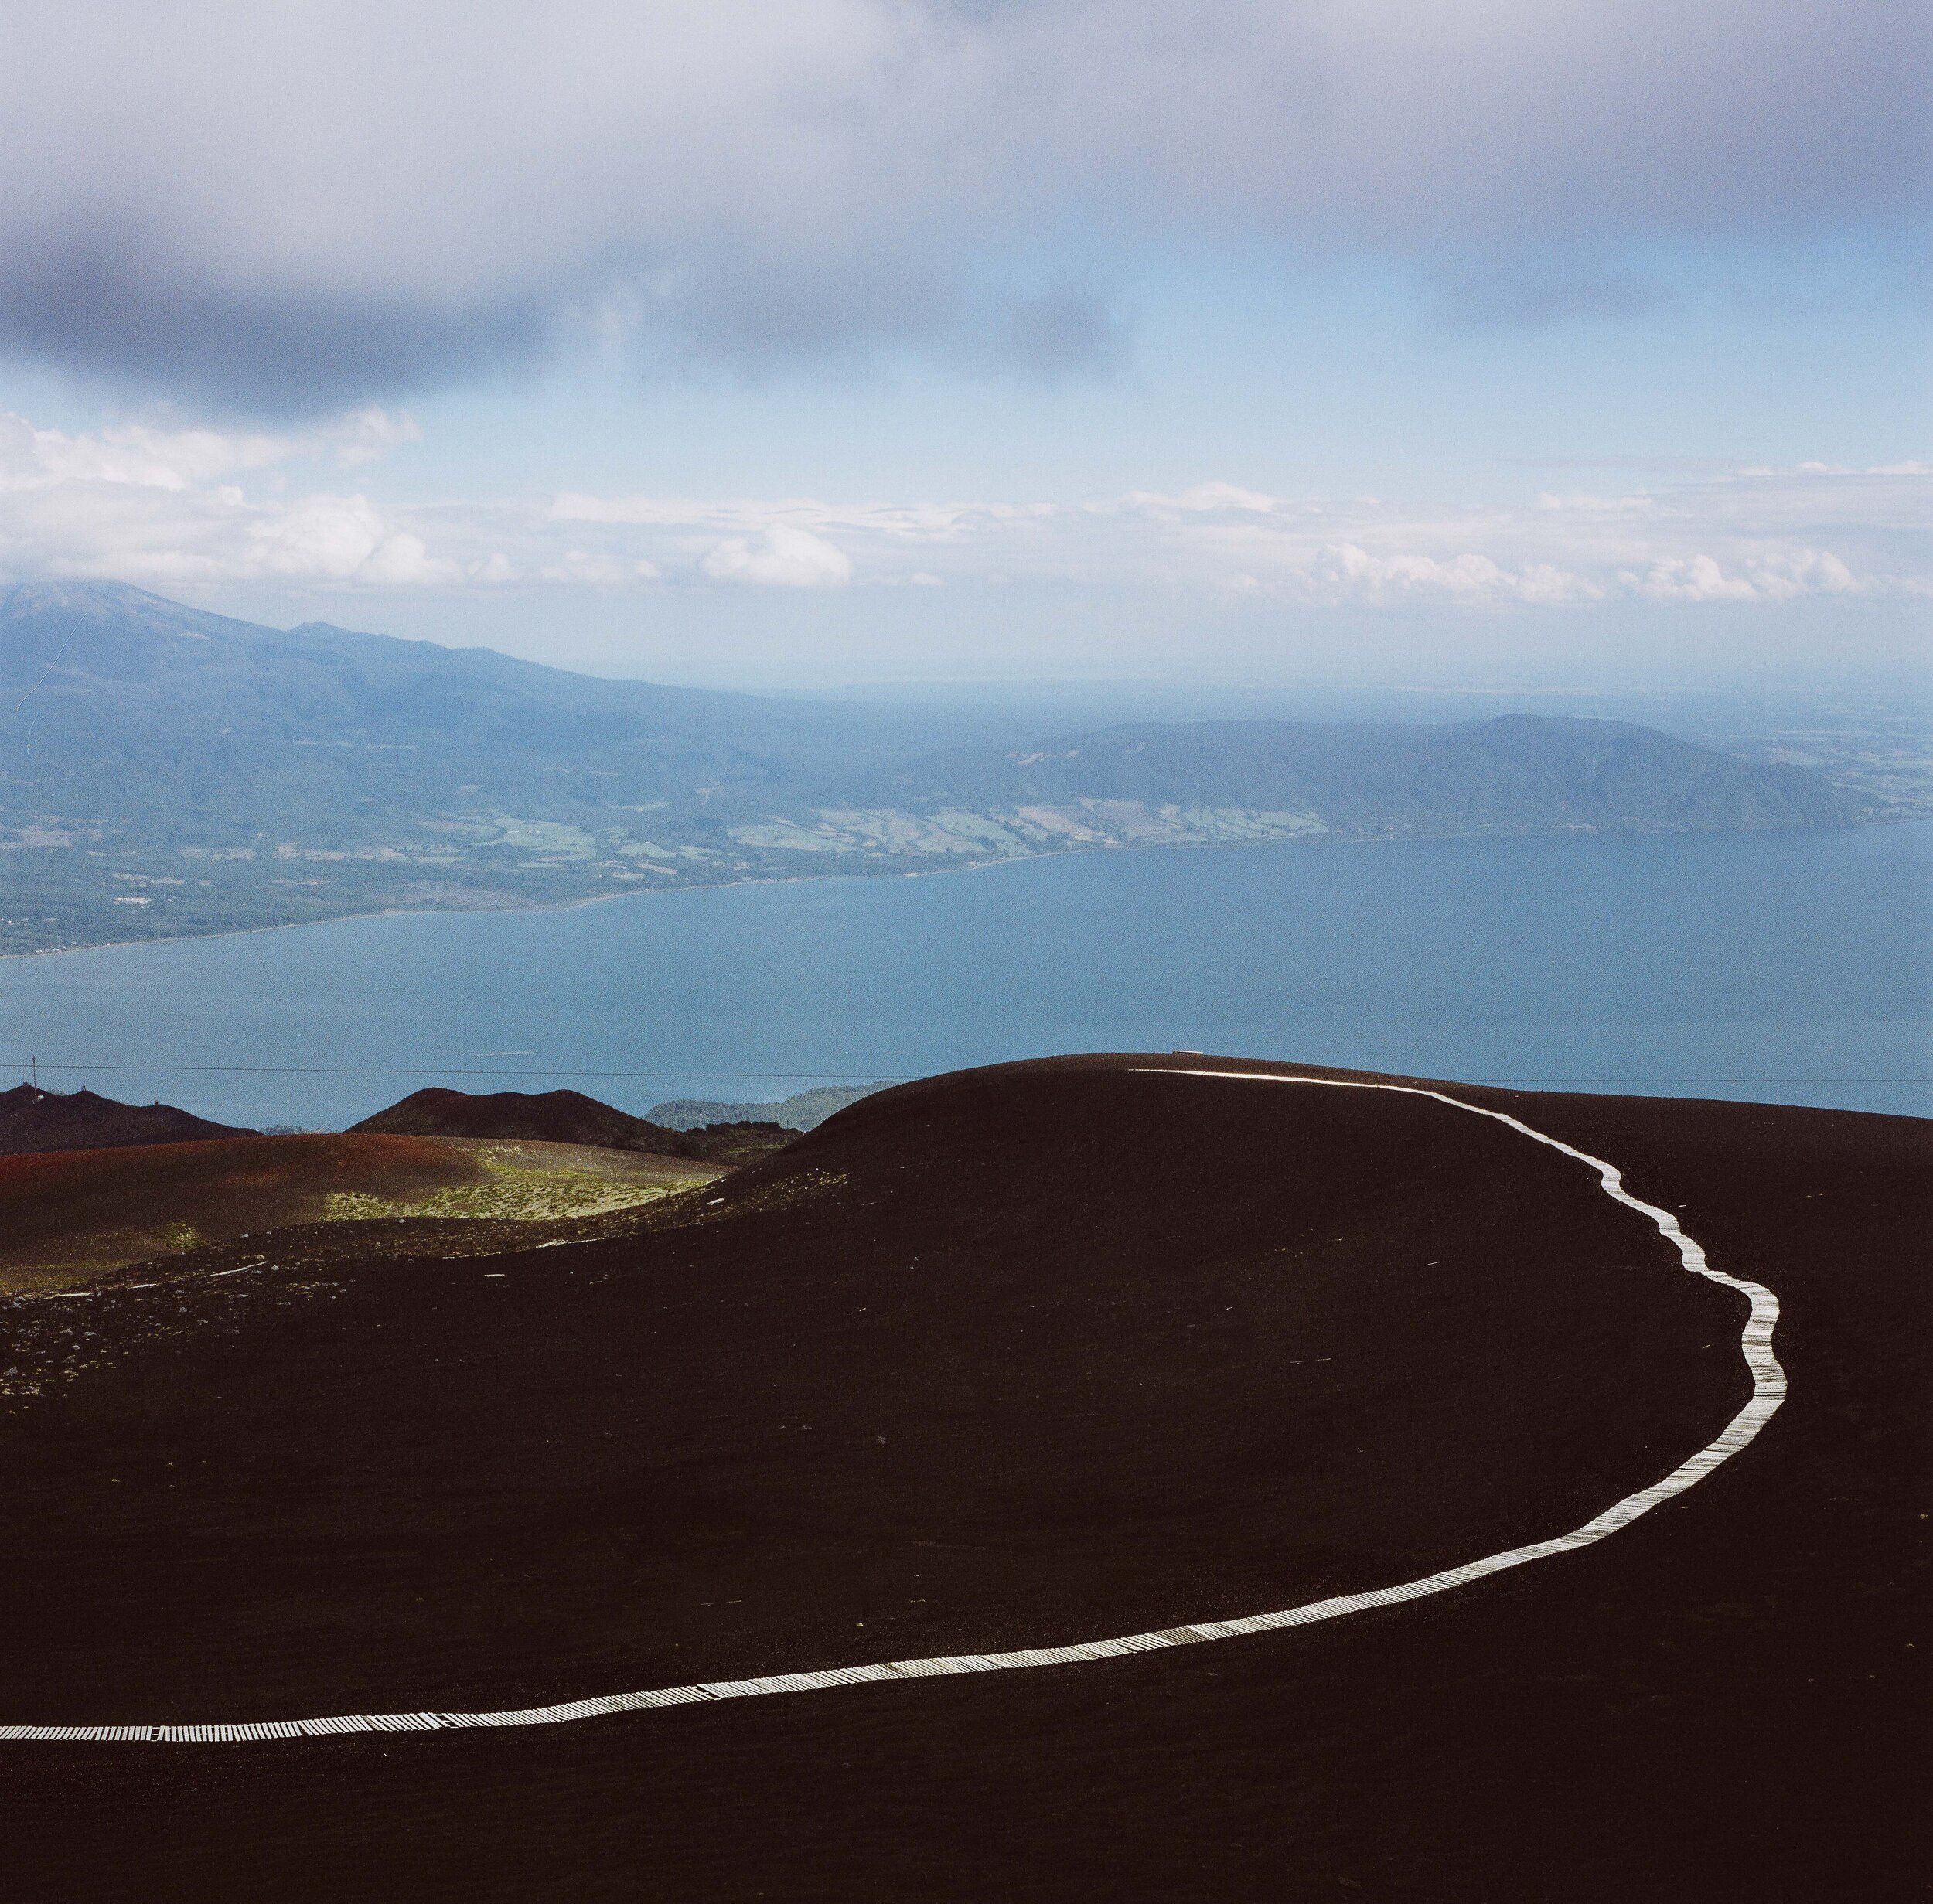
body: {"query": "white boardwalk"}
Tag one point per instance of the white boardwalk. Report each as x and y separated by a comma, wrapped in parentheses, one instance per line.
(1755, 1345)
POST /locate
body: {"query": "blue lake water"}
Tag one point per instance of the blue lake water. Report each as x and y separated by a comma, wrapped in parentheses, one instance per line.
(1793, 967)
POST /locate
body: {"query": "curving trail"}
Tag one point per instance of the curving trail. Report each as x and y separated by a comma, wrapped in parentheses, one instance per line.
(1755, 1345)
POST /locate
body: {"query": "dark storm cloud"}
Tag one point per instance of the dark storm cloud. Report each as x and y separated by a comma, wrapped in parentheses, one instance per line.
(100, 308)
(301, 206)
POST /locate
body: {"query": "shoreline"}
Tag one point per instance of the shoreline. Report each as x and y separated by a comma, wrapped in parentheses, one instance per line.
(976, 866)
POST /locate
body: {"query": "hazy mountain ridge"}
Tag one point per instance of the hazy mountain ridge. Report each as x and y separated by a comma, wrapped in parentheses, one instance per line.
(804, 1110)
(166, 771)
(1513, 772)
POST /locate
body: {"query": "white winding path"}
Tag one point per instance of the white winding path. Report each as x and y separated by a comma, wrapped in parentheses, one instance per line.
(1755, 1343)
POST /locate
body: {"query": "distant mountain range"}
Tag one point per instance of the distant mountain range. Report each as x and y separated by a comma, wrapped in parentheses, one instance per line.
(166, 771)
(803, 1111)
(1516, 773)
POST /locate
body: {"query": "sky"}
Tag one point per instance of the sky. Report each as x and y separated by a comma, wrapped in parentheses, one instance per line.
(831, 342)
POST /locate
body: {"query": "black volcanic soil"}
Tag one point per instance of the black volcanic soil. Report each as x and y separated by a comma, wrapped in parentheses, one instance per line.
(568, 1117)
(34, 1120)
(1037, 1353)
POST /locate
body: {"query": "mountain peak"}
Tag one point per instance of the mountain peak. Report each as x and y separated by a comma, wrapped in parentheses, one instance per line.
(106, 630)
(73, 595)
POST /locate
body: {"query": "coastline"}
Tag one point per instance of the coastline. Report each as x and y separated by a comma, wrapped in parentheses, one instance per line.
(1537, 961)
(970, 865)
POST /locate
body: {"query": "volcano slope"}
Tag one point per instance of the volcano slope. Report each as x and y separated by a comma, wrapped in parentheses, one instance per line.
(1021, 1357)
(66, 1215)
(32, 1119)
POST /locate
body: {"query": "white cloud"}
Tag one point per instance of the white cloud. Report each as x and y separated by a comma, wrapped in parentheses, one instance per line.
(1806, 572)
(365, 435)
(171, 508)
(1778, 575)
(587, 567)
(915, 521)
(141, 503)
(324, 536)
(402, 561)
(1203, 498)
(339, 539)
(1698, 579)
(1342, 571)
(785, 556)
(159, 457)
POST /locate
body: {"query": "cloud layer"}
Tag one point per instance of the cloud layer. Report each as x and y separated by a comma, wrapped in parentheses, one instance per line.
(297, 207)
(201, 508)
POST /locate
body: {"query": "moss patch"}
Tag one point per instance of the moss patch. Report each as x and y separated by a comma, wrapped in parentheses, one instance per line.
(528, 1200)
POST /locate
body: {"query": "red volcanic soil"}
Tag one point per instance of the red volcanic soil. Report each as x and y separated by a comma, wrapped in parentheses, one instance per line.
(1019, 1356)
(73, 1208)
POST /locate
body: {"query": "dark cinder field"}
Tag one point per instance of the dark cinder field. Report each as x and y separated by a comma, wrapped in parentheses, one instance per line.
(1016, 1357)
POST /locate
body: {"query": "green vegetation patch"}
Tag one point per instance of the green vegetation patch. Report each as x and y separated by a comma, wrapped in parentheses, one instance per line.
(517, 1197)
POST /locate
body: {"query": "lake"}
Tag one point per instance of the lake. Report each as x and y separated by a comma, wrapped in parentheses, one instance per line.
(1793, 967)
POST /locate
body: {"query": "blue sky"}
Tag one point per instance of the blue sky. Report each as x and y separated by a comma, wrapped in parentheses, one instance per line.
(1273, 373)
(868, 339)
